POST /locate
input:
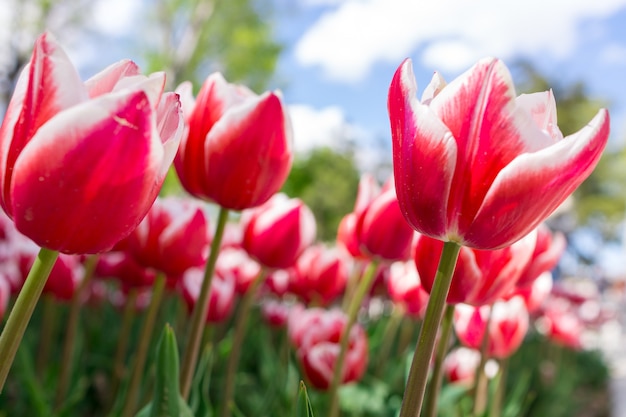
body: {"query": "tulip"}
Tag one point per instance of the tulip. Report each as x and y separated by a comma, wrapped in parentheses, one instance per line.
(382, 231)
(276, 233)
(321, 274)
(548, 251)
(238, 150)
(81, 163)
(475, 165)
(315, 334)
(221, 296)
(480, 277)
(405, 288)
(172, 238)
(506, 324)
(460, 365)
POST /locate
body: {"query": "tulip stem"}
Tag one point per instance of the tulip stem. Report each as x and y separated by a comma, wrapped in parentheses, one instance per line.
(480, 378)
(235, 352)
(48, 330)
(119, 368)
(70, 335)
(361, 290)
(390, 335)
(23, 308)
(144, 344)
(418, 375)
(498, 399)
(198, 316)
(442, 349)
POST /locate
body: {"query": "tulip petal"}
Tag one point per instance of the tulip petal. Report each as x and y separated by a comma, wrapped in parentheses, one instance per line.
(82, 189)
(424, 154)
(105, 81)
(47, 85)
(533, 185)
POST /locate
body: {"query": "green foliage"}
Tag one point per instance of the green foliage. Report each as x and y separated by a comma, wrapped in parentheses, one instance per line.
(197, 37)
(327, 182)
(303, 406)
(166, 401)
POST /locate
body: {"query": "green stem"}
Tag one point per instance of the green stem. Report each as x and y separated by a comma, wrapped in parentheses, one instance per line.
(144, 344)
(48, 329)
(128, 316)
(362, 289)
(198, 316)
(480, 380)
(418, 375)
(498, 400)
(442, 349)
(19, 317)
(391, 331)
(70, 335)
(235, 352)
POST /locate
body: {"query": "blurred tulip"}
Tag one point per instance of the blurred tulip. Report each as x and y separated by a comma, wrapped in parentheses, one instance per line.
(506, 323)
(321, 275)
(474, 164)
(315, 333)
(277, 232)
(405, 288)
(275, 312)
(535, 293)
(236, 262)
(480, 277)
(81, 163)
(172, 238)
(5, 293)
(221, 295)
(460, 365)
(238, 150)
(548, 250)
(124, 268)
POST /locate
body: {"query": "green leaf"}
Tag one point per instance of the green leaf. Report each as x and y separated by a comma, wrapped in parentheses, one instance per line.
(167, 401)
(303, 407)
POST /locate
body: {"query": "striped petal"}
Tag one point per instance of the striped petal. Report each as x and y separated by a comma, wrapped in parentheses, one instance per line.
(533, 185)
(424, 155)
(47, 85)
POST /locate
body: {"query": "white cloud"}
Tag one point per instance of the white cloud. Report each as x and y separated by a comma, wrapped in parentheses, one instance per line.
(116, 17)
(316, 128)
(328, 127)
(349, 39)
(613, 54)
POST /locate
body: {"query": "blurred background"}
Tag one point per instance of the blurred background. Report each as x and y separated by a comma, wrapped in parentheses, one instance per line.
(333, 61)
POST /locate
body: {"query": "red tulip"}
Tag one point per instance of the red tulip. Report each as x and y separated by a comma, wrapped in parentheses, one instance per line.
(476, 165)
(382, 231)
(535, 293)
(238, 151)
(221, 296)
(172, 238)
(459, 365)
(480, 276)
(123, 267)
(81, 163)
(316, 333)
(277, 232)
(548, 251)
(236, 262)
(506, 323)
(321, 275)
(405, 288)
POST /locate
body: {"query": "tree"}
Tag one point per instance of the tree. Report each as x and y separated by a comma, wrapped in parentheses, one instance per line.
(196, 37)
